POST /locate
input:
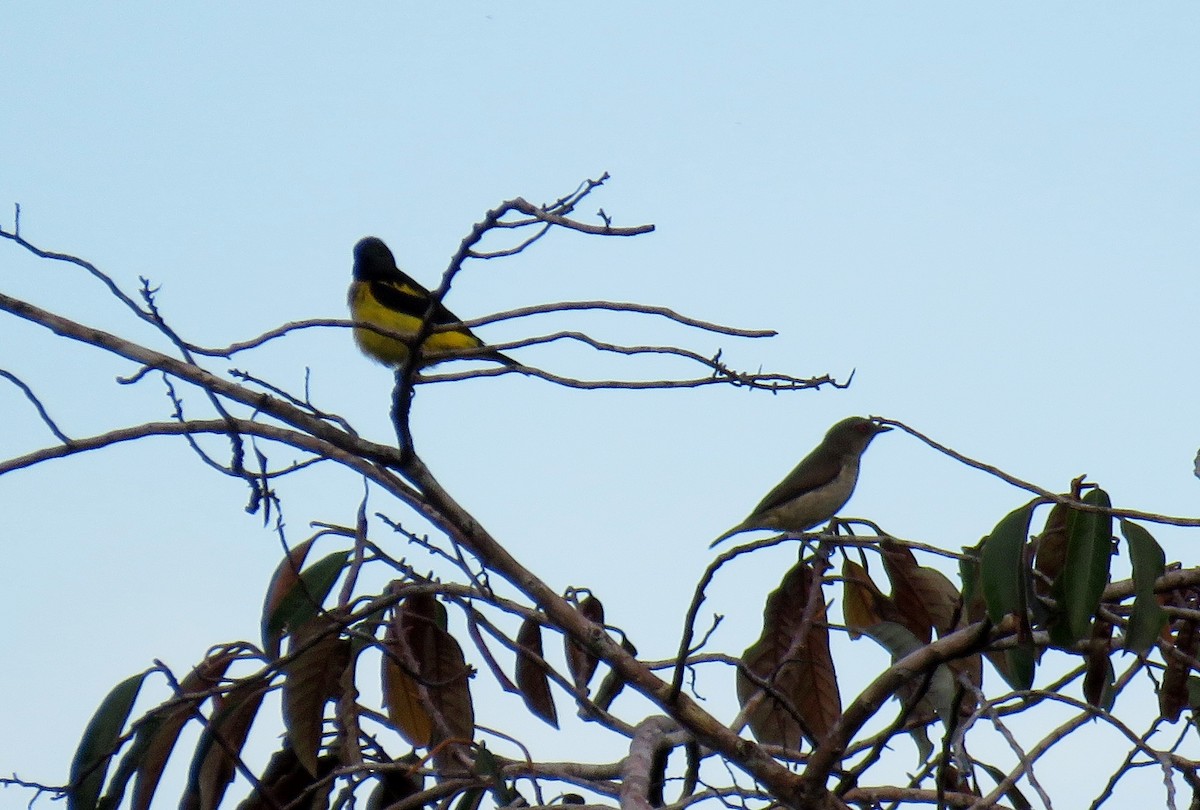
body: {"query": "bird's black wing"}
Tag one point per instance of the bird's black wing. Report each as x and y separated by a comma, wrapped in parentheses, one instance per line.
(410, 298)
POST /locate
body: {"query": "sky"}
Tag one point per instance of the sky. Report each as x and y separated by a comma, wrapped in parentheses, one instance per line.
(987, 213)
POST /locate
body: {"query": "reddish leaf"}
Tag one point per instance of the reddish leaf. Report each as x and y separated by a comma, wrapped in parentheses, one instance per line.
(292, 601)
(581, 663)
(795, 660)
(911, 606)
(286, 575)
(311, 679)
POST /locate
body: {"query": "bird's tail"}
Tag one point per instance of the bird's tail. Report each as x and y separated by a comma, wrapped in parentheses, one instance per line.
(741, 527)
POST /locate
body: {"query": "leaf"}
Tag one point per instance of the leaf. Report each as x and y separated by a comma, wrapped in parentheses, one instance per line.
(1002, 565)
(969, 572)
(130, 762)
(798, 667)
(470, 799)
(900, 642)
(1004, 582)
(1081, 584)
(298, 599)
(285, 781)
(614, 681)
(99, 743)
(581, 663)
(1147, 618)
(160, 742)
(1050, 547)
(487, 767)
(532, 675)
(285, 578)
(863, 604)
(1099, 678)
(214, 762)
(941, 598)
(432, 700)
(911, 607)
(1019, 802)
(310, 680)
(402, 696)
(1173, 694)
(394, 786)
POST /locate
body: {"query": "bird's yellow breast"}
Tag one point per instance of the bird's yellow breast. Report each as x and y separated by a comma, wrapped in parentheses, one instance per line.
(366, 308)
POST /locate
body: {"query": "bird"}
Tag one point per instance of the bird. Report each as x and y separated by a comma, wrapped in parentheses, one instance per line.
(820, 484)
(383, 295)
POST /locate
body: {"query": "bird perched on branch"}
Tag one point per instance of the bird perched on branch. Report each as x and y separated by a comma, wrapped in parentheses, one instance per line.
(819, 486)
(382, 295)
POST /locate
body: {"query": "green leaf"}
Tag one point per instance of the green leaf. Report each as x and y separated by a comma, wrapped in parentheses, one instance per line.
(1020, 665)
(1019, 802)
(1002, 566)
(1079, 588)
(302, 599)
(1147, 618)
(99, 743)
(901, 642)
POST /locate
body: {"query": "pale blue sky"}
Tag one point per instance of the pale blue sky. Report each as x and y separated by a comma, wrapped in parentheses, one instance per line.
(990, 212)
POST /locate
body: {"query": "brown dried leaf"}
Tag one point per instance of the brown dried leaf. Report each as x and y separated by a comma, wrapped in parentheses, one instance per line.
(1050, 548)
(533, 676)
(204, 676)
(1098, 677)
(941, 598)
(393, 786)
(581, 663)
(311, 679)
(1173, 695)
(214, 763)
(796, 662)
(912, 611)
(944, 604)
(863, 604)
(402, 695)
(285, 781)
(429, 698)
(614, 681)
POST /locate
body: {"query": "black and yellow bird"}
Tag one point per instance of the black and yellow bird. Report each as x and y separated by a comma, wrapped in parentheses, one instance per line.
(382, 295)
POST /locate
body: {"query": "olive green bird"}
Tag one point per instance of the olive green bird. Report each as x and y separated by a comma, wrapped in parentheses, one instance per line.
(383, 295)
(819, 486)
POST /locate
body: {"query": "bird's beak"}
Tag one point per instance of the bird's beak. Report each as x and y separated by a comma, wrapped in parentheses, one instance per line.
(881, 428)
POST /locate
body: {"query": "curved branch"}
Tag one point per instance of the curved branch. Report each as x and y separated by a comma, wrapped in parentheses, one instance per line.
(1133, 514)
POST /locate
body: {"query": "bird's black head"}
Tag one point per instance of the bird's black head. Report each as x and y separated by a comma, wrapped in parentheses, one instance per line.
(373, 261)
